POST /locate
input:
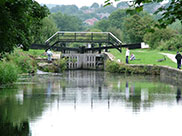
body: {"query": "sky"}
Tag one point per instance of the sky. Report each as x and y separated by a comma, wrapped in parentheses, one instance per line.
(79, 3)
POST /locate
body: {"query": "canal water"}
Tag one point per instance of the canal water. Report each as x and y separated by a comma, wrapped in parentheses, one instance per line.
(90, 103)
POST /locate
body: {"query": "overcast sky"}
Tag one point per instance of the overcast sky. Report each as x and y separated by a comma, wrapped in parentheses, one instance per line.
(79, 3)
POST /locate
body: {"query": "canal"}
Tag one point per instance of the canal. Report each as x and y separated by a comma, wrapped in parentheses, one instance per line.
(90, 103)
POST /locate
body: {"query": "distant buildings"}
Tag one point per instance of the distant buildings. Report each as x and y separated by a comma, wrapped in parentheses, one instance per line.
(91, 21)
(103, 15)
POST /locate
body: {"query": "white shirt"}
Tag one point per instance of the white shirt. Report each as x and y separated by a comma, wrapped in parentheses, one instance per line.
(49, 53)
(127, 52)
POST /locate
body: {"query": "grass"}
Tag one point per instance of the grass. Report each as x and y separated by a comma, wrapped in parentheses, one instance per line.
(36, 53)
(14, 64)
(144, 56)
(8, 72)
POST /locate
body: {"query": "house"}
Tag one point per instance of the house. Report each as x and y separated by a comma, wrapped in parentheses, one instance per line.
(91, 21)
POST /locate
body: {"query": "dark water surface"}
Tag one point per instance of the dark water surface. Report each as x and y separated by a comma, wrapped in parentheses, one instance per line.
(90, 103)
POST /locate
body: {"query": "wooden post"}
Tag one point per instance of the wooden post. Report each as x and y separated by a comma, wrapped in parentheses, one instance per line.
(92, 46)
(75, 36)
(92, 37)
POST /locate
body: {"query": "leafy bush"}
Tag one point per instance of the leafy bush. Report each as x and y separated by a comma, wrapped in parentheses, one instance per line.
(57, 67)
(112, 66)
(174, 43)
(62, 64)
(24, 63)
(8, 72)
(154, 39)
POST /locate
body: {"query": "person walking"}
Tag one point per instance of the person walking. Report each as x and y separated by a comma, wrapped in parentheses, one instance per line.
(178, 58)
(127, 55)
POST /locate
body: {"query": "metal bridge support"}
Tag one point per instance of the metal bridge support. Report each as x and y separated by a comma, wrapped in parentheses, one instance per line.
(63, 45)
(100, 48)
(92, 46)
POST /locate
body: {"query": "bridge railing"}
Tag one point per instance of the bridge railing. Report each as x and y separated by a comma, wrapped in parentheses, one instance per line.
(88, 37)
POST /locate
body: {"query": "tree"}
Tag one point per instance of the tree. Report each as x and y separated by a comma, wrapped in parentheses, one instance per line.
(136, 26)
(67, 23)
(154, 38)
(47, 29)
(116, 18)
(95, 5)
(102, 25)
(65, 9)
(169, 14)
(84, 8)
(108, 9)
(117, 32)
(122, 5)
(19, 20)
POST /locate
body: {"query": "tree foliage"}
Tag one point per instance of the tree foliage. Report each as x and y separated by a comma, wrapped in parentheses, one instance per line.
(19, 20)
(169, 14)
(154, 38)
(47, 29)
(136, 26)
(66, 22)
(95, 5)
(103, 25)
(66, 9)
(116, 18)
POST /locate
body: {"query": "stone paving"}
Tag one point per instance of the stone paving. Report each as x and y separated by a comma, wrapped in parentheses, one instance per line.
(170, 56)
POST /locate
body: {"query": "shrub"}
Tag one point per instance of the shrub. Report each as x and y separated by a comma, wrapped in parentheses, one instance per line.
(174, 43)
(8, 72)
(154, 39)
(23, 62)
(112, 66)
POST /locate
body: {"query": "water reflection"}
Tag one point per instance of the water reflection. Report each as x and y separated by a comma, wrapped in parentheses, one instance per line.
(178, 96)
(34, 96)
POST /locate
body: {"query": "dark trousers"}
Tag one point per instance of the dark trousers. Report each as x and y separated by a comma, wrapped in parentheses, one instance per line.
(179, 64)
(126, 59)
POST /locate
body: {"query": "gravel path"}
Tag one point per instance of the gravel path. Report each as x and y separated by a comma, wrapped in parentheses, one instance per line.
(171, 56)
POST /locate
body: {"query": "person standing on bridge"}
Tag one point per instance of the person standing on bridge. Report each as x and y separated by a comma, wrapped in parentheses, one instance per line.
(127, 55)
(49, 54)
(178, 58)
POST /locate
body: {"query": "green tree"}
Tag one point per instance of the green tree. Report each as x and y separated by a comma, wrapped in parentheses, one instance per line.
(169, 13)
(117, 32)
(19, 20)
(47, 29)
(67, 23)
(135, 27)
(174, 43)
(95, 5)
(108, 9)
(65, 9)
(116, 18)
(103, 25)
(177, 26)
(84, 8)
(154, 38)
(122, 5)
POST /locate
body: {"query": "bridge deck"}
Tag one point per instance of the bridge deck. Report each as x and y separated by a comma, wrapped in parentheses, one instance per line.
(97, 40)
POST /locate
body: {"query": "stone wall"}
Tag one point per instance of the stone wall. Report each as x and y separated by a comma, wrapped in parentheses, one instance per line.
(171, 75)
(167, 74)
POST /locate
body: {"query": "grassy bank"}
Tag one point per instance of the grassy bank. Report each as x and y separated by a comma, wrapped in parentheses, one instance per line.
(144, 56)
(14, 64)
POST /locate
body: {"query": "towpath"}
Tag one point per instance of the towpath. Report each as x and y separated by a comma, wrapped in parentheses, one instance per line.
(170, 56)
